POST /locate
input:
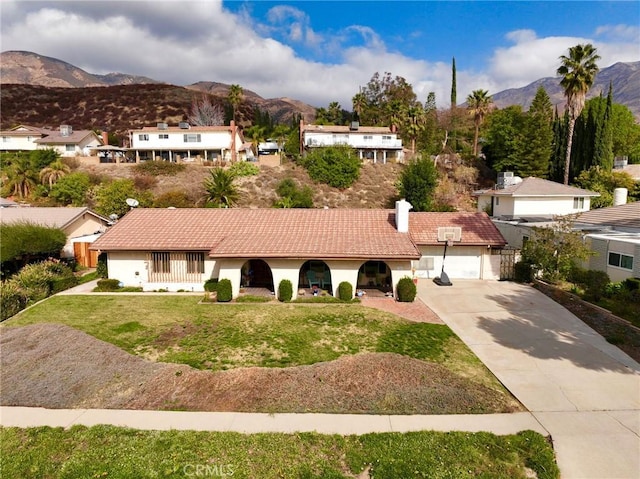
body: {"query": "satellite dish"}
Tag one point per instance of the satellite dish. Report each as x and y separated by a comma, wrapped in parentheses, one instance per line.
(113, 216)
(132, 202)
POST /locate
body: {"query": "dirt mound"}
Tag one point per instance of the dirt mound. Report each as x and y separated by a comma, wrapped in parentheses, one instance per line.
(57, 366)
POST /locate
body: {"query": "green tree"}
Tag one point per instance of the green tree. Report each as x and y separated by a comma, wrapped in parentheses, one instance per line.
(54, 172)
(418, 182)
(478, 105)
(537, 136)
(71, 189)
(235, 96)
(25, 242)
(359, 104)
(625, 132)
(291, 196)
(384, 98)
(604, 182)
(221, 191)
(554, 251)
(21, 177)
(454, 88)
(42, 158)
(413, 123)
(578, 71)
(336, 166)
(559, 146)
(503, 140)
(256, 134)
(111, 198)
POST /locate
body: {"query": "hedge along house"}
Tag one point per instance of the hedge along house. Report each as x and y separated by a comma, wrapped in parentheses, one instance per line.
(181, 248)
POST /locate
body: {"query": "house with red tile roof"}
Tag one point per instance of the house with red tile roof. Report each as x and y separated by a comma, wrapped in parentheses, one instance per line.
(182, 248)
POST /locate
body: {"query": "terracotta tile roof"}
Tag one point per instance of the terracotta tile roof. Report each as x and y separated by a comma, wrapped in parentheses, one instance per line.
(623, 216)
(53, 217)
(537, 187)
(477, 228)
(272, 233)
(289, 233)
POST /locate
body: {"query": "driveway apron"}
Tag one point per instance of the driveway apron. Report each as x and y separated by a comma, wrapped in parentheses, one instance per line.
(583, 390)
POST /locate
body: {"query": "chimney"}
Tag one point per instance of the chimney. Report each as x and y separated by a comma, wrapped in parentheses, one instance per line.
(105, 138)
(402, 215)
(620, 196)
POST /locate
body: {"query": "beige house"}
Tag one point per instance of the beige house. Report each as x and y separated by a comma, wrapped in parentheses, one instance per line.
(182, 248)
(81, 225)
(22, 138)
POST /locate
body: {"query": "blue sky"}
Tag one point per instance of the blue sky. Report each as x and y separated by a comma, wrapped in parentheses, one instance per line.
(322, 51)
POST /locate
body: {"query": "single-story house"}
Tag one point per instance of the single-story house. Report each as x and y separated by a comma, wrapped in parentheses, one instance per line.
(514, 197)
(81, 225)
(181, 248)
(375, 144)
(614, 234)
(68, 142)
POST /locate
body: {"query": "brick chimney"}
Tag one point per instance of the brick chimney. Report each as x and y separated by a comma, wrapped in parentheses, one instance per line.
(105, 138)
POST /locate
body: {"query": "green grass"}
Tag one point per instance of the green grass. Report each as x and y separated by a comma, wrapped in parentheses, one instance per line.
(206, 336)
(106, 451)
(85, 278)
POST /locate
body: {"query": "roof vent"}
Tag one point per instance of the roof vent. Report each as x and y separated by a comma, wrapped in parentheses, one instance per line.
(162, 126)
(354, 125)
(184, 125)
(504, 179)
(66, 130)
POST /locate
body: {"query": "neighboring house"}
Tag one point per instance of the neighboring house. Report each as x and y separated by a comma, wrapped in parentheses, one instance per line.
(81, 225)
(372, 143)
(7, 203)
(68, 142)
(614, 234)
(22, 138)
(622, 164)
(189, 143)
(181, 248)
(516, 198)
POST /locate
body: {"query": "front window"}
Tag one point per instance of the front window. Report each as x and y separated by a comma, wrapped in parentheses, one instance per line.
(5, 139)
(192, 137)
(163, 136)
(70, 147)
(161, 262)
(143, 137)
(195, 263)
(578, 203)
(620, 260)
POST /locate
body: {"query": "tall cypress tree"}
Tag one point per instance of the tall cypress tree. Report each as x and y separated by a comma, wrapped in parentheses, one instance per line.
(537, 136)
(454, 94)
(603, 140)
(559, 148)
(454, 104)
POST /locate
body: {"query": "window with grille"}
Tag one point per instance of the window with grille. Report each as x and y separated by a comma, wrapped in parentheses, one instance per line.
(578, 203)
(143, 137)
(163, 136)
(195, 263)
(69, 147)
(161, 262)
(192, 137)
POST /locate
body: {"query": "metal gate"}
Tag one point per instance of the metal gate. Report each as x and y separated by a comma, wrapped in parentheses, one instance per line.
(508, 259)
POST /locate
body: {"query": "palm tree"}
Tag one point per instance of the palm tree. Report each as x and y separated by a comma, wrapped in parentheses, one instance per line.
(359, 103)
(235, 98)
(578, 71)
(221, 192)
(478, 105)
(256, 134)
(52, 173)
(21, 177)
(414, 120)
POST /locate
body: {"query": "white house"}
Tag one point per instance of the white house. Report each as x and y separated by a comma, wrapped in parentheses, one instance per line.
(514, 198)
(182, 248)
(81, 225)
(372, 143)
(22, 138)
(189, 143)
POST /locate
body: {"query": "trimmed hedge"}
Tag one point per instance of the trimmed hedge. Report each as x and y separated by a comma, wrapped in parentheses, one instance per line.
(211, 285)
(225, 291)
(406, 290)
(523, 272)
(108, 285)
(345, 291)
(285, 290)
(13, 299)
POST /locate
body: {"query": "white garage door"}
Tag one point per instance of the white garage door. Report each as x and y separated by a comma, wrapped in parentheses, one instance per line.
(461, 262)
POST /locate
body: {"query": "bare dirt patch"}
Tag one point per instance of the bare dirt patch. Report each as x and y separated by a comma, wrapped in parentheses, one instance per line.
(56, 366)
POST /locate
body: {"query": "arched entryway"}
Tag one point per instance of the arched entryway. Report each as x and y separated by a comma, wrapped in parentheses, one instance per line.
(315, 275)
(256, 273)
(375, 275)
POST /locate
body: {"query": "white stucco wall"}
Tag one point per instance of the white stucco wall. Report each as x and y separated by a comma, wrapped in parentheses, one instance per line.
(547, 206)
(461, 262)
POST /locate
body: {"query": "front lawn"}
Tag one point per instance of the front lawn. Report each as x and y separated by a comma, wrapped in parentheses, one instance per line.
(106, 451)
(213, 336)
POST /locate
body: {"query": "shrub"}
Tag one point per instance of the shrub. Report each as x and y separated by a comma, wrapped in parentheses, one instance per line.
(25, 241)
(406, 290)
(249, 298)
(285, 290)
(101, 266)
(244, 168)
(158, 168)
(13, 299)
(345, 291)
(225, 292)
(632, 284)
(523, 272)
(108, 285)
(595, 284)
(35, 280)
(211, 285)
(337, 166)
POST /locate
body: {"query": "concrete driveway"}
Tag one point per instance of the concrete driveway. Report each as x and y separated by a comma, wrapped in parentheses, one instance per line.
(584, 391)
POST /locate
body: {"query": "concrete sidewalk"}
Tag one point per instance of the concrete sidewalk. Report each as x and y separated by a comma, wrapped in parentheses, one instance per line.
(343, 424)
(583, 390)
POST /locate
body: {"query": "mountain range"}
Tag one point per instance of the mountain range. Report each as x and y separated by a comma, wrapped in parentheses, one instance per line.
(46, 91)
